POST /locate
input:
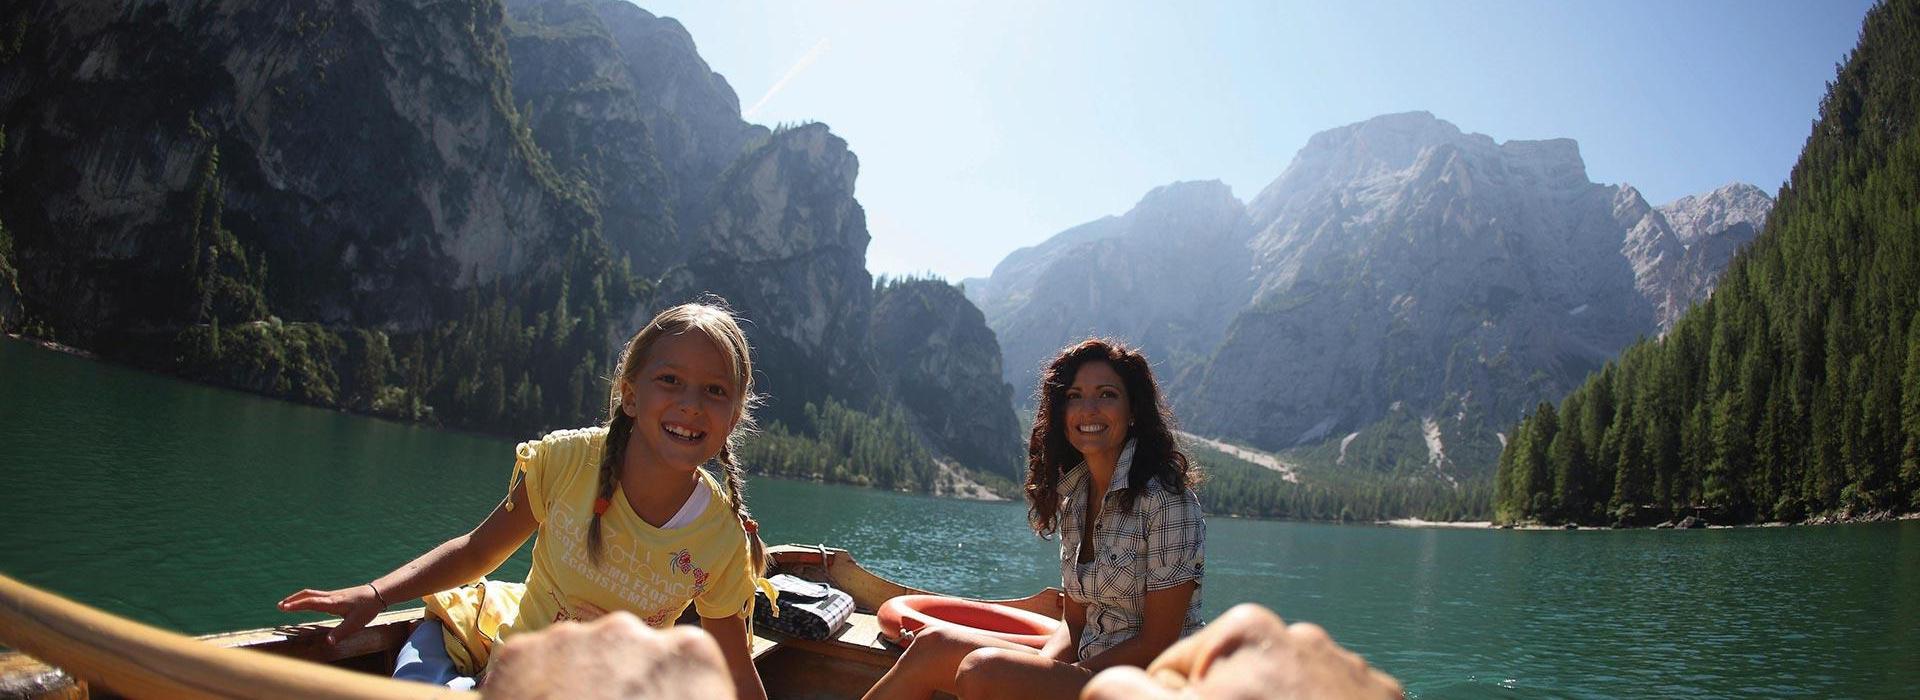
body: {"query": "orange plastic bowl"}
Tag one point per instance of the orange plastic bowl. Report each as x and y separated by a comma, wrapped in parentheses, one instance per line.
(911, 613)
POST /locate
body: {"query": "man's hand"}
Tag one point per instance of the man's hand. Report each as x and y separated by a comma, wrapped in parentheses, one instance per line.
(1249, 653)
(615, 656)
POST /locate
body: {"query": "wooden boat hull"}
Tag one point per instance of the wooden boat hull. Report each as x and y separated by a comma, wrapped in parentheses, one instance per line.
(140, 663)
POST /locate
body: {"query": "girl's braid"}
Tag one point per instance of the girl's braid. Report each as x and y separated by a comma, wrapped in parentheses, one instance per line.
(737, 484)
(619, 427)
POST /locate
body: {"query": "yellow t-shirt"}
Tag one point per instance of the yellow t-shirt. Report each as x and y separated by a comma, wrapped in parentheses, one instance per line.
(649, 572)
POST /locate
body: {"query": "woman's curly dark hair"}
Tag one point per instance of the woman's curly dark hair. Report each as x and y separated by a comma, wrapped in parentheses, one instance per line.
(1049, 456)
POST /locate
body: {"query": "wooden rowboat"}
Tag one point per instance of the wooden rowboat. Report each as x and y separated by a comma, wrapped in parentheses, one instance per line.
(89, 653)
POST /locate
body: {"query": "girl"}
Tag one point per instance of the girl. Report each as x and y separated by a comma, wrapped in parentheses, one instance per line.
(1104, 473)
(627, 519)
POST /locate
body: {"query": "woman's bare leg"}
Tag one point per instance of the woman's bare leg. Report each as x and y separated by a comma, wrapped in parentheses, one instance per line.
(1001, 673)
(930, 663)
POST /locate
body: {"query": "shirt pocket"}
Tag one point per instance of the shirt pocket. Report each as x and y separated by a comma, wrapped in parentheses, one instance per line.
(1120, 572)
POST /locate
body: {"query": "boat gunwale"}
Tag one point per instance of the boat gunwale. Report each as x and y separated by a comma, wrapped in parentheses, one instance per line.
(383, 636)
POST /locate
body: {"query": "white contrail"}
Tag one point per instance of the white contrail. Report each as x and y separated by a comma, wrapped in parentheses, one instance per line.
(813, 54)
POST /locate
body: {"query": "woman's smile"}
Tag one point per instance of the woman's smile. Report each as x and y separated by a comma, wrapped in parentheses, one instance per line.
(1098, 411)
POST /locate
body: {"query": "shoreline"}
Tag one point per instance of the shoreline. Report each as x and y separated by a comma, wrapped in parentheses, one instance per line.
(978, 492)
(1438, 524)
(953, 486)
(1488, 525)
(57, 347)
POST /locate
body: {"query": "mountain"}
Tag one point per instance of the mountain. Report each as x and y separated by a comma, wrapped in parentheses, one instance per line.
(1794, 390)
(1712, 227)
(1399, 294)
(1163, 275)
(447, 213)
(786, 244)
(115, 121)
(934, 348)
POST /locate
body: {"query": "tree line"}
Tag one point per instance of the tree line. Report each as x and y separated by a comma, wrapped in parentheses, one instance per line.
(1794, 390)
(1233, 486)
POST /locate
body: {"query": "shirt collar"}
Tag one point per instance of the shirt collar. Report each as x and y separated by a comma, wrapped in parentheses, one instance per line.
(1071, 482)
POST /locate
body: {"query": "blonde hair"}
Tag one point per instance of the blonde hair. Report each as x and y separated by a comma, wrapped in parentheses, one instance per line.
(711, 318)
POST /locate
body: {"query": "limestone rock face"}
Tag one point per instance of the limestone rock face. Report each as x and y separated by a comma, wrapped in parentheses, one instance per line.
(364, 150)
(585, 110)
(704, 203)
(1403, 289)
(1400, 262)
(933, 348)
(459, 177)
(786, 244)
(1167, 276)
(1713, 227)
(624, 102)
(1731, 209)
(691, 112)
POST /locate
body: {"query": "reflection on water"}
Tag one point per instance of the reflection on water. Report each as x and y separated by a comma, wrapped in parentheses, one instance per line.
(196, 509)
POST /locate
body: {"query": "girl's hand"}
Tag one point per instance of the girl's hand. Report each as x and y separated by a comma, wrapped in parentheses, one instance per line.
(354, 606)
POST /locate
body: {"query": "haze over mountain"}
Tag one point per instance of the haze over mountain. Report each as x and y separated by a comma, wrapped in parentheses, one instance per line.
(1399, 294)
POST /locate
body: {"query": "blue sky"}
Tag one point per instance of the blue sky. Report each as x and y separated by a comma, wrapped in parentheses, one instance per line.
(983, 128)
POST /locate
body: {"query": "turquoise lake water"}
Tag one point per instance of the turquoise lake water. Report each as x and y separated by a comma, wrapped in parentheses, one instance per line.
(195, 509)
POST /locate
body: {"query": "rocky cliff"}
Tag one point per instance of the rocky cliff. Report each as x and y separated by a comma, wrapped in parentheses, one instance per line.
(431, 210)
(1396, 297)
(934, 349)
(786, 243)
(1405, 266)
(766, 220)
(1712, 227)
(114, 112)
(1167, 275)
(573, 82)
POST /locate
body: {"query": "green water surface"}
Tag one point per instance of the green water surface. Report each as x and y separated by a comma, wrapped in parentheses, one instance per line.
(195, 509)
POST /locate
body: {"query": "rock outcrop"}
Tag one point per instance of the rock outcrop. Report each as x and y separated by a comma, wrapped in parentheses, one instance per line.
(1168, 276)
(448, 211)
(1713, 227)
(933, 348)
(1403, 290)
(573, 81)
(1404, 264)
(365, 151)
(786, 244)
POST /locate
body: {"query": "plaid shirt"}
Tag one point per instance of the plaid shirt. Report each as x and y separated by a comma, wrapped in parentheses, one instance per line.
(1160, 544)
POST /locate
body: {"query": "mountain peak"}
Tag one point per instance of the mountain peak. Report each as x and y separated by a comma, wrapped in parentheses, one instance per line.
(1392, 140)
(1186, 194)
(1554, 163)
(1695, 217)
(1392, 144)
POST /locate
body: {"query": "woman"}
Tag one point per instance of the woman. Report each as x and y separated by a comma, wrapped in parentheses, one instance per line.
(1102, 453)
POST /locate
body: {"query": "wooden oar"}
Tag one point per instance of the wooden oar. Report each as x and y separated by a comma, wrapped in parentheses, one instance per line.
(140, 661)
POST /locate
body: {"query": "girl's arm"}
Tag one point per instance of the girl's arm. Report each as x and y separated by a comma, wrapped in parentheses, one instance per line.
(1166, 614)
(456, 561)
(1064, 646)
(731, 633)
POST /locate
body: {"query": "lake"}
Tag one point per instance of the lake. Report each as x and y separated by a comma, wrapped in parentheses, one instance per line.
(196, 509)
